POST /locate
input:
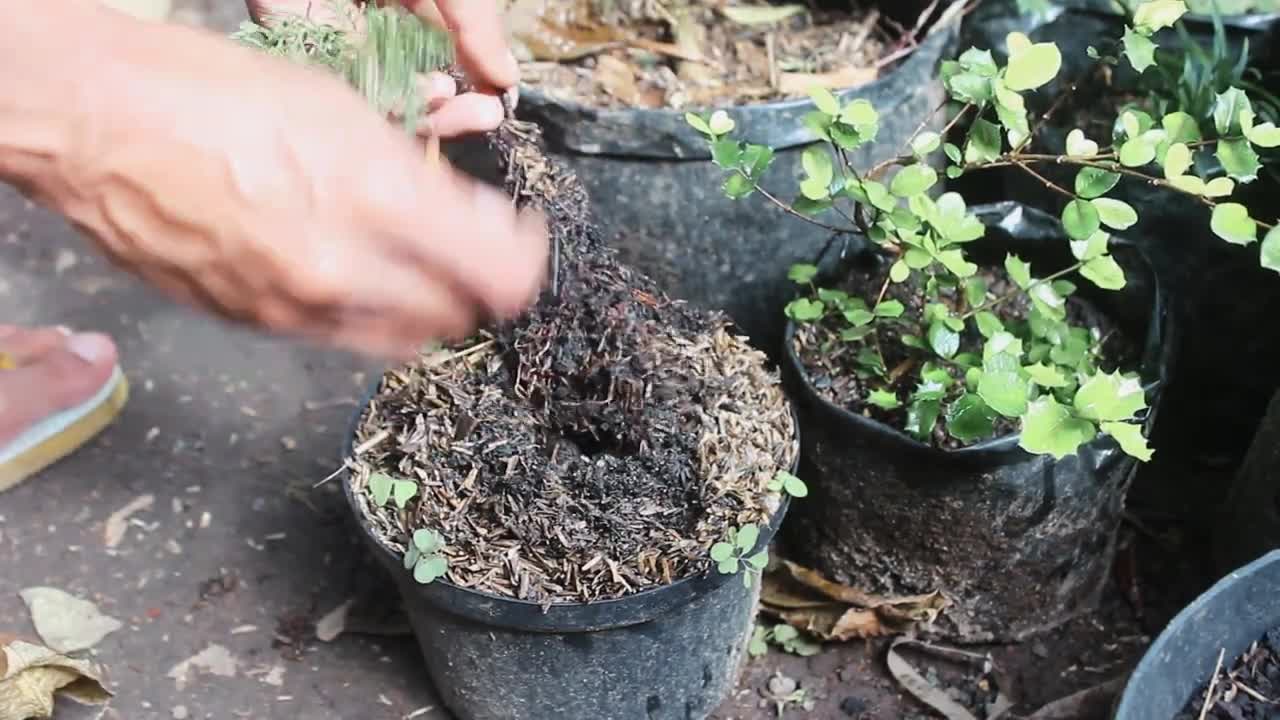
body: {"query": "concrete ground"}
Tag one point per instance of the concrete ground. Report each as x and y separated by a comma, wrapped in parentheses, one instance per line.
(231, 547)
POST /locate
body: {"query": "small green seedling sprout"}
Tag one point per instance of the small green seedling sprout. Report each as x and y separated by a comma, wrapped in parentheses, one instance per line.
(384, 488)
(788, 483)
(732, 555)
(424, 557)
(784, 636)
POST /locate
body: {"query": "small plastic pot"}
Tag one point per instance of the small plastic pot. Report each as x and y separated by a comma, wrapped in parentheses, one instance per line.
(1239, 609)
(670, 653)
(1019, 543)
(659, 198)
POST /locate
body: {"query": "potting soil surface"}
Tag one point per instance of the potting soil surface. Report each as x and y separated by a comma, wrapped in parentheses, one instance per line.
(1244, 688)
(194, 521)
(596, 446)
(695, 54)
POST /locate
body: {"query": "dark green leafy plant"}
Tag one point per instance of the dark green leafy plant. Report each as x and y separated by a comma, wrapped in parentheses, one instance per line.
(1043, 373)
(731, 556)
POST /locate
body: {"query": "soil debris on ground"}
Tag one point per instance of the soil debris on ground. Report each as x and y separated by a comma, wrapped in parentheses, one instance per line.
(631, 53)
(597, 446)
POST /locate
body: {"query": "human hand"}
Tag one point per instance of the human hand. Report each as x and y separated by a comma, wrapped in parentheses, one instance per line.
(483, 53)
(270, 193)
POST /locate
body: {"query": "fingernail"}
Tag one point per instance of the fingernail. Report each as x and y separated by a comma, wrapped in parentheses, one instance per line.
(90, 348)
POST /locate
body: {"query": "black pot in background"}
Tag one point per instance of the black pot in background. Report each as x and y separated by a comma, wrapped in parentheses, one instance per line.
(1220, 295)
(1249, 524)
(670, 653)
(1018, 542)
(654, 188)
(1230, 616)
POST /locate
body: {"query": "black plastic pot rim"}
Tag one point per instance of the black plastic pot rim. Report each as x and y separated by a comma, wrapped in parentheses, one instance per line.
(1005, 446)
(534, 96)
(498, 610)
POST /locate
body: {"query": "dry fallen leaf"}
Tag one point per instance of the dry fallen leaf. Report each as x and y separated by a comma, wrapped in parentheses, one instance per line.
(795, 83)
(65, 622)
(828, 610)
(215, 660)
(118, 523)
(914, 683)
(334, 622)
(617, 77)
(760, 14)
(31, 675)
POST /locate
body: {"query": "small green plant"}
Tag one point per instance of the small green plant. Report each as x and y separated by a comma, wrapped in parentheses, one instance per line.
(732, 555)
(383, 488)
(785, 637)
(785, 482)
(960, 370)
(425, 557)
(382, 63)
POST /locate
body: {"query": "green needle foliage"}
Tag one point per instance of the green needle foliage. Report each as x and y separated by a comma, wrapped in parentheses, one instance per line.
(1043, 374)
(382, 64)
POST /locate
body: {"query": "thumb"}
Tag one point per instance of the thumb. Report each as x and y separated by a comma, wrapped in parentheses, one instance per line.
(480, 35)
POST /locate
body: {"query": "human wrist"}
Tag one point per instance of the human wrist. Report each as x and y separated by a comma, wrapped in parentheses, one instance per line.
(57, 69)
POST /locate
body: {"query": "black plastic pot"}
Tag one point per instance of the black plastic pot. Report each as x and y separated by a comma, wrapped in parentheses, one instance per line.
(1019, 543)
(1249, 523)
(654, 188)
(1226, 619)
(670, 653)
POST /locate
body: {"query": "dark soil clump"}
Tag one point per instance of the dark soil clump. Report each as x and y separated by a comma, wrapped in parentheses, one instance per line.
(832, 366)
(1245, 689)
(595, 447)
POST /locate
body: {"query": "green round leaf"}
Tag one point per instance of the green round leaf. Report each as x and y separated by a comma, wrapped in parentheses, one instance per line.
(1228, 109)
(1031, 66)
(1104, 272)
(925, 143)
(802, 273)
(795, 487)
(1049, 428)
(884, 399)
(969, 419)
(1137, 152)
(1219, 187)
(1115, 214)
(899, 272)
(721, 123)
(1110, 398)
(738, 186)
(1139, 49)
(402, 491)
(721, 551)
(1232, 223)
(411, 556)
(728, 566)
(1004, 391)
(1094, 182)
(1189, 184)
(1177, 160)
(1080, 219)
(1266, 135)
(1271, 250)
(759, 561)
(785, 633)
(1080, 146)
(1239, 159)
(825, 101)
(943, 340)
(430, 569)
(913, 180)
(427, 541)
(1156, 15)
(890, 309)
(1046, 376)
(747, 536)
(1130, 438)
(805, 310)
(697, 123)
(380, 485)
(1095, 246)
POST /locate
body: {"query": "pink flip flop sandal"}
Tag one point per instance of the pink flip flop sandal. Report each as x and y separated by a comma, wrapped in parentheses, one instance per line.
(62, 433)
